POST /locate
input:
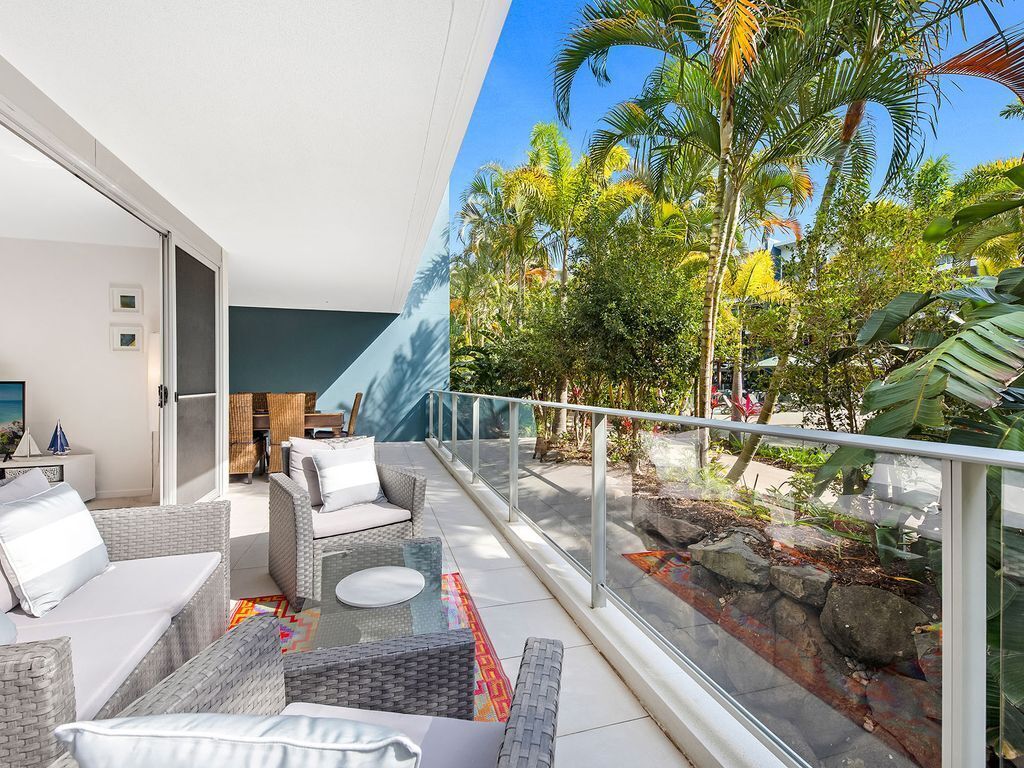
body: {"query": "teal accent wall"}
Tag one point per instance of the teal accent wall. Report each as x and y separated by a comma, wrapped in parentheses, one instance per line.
(394, 359)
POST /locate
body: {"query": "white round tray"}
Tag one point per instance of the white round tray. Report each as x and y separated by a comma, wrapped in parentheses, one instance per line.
(380, 587)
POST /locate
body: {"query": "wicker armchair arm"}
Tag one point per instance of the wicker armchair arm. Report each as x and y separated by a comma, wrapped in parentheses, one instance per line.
(137, 532)
(37, 693)
(238, 674)
(530, 732)
(406, 489)
(421, 675)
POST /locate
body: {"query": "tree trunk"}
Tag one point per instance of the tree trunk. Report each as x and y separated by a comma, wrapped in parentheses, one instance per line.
(561, 420)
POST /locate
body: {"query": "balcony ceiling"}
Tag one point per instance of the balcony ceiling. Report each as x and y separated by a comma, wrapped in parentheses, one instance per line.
(312, 140)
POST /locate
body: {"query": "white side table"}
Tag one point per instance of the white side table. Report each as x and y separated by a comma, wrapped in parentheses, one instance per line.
(76, 469)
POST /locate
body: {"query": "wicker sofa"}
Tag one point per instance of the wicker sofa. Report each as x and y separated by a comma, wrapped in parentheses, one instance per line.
(164, 599)
(297, 540)
(417, 685)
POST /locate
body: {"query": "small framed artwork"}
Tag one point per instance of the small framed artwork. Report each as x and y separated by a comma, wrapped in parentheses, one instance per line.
(126, 338)
(126, 298)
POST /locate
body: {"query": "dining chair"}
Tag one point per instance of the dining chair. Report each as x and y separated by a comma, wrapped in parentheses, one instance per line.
(287, 419)
(259, 402)
(245, 451)
(353, 416)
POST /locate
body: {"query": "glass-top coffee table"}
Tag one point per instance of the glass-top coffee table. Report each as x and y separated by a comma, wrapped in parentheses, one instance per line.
(329, 623)
(400, 658)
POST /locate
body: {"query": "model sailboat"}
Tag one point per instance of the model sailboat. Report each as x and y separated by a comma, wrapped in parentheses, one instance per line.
(59, 442)
(27, 447)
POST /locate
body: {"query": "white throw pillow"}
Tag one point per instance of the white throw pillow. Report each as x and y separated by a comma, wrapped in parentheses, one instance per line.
(49, 547)
(19, 487)
(284, 741)
(24, 485)
(300, 461)
(347, 477)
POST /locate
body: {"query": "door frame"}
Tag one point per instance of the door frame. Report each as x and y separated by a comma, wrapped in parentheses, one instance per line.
(82, 165)
(169, 413)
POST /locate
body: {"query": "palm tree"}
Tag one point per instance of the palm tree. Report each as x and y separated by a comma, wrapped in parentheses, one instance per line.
(742, 84)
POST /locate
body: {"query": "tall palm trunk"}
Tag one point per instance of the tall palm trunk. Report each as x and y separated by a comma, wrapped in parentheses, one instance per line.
(562, 418)
(851, 124)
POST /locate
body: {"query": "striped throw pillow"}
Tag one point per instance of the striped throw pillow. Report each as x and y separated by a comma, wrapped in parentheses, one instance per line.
(49, 547)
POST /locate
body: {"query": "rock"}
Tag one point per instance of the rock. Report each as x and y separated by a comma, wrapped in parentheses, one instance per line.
(803, 650)
(871, 624)
(910, 710)
(929, 656)
(677, 531)
(702, 578)
(802, 582)
(804, 538)
(753, 603)
(732, 559)
(747, 531)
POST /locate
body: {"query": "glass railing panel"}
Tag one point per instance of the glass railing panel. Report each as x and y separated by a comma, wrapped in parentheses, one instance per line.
(1005, 610)
(446, 421)
(555, 479)
(494, 445)
(817, 609)
(464, 445)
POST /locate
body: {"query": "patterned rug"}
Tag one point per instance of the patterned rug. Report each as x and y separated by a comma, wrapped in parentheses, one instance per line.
(493, 692)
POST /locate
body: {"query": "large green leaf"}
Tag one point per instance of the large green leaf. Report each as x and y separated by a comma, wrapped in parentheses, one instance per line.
(1011, 280)
(943, 228)
(890, 317)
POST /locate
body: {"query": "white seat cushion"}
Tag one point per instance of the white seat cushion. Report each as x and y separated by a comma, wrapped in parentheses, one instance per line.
(444, 742)
(104, 651)
(162, 584)
(359, 517)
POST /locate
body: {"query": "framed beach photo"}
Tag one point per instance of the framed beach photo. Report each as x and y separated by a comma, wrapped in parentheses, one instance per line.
(126, 298)
(126, 338)
(12, 415)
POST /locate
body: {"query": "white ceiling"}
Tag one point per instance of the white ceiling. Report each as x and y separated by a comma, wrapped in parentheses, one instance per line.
(40, 200)
(313, 140)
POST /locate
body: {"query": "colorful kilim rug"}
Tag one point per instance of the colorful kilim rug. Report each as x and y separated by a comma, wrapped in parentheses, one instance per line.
(493, 692)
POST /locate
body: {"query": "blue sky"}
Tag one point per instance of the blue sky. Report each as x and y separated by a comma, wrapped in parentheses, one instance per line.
(517, 93)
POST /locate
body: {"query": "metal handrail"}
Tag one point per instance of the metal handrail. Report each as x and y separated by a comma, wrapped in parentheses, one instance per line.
(966, 453)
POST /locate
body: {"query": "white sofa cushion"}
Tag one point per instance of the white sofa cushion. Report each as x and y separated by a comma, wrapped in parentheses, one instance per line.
(360, 517)
(347, 477)
(177, 741)
(104, 651)
(163, 584)
(444, 742)
(8, 630)
(49, 547)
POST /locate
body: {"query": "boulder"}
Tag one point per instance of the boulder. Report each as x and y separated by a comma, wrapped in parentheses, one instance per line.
(929, 656)
(732, 559)
(677, 531)
(802, 649)
(753, 603)
(805, 583)
(702, 578)
(870, 624)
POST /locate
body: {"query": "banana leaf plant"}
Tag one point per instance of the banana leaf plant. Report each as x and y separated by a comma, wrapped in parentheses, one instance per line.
(962, 384)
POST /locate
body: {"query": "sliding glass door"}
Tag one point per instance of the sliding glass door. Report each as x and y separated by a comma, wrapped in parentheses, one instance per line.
(195, 382)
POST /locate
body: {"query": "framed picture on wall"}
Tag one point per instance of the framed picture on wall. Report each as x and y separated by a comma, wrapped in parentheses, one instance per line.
(126, 298)
(126, 338)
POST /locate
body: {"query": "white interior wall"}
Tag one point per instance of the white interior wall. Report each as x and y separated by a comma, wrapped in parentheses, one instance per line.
(56, 337)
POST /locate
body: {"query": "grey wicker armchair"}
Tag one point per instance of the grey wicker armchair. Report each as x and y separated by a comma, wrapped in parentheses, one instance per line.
(37, 690)
(296, 549)
(244, 672)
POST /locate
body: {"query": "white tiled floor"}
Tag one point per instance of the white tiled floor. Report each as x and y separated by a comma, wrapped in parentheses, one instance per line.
(600, 721)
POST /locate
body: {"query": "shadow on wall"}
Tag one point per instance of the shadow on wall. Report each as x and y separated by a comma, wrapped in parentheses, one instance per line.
(431, 277)
(395, 400)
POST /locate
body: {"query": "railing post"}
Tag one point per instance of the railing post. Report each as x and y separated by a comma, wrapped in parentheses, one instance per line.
(440, 422)
(513, 460)
(964, 532)
(430, 413)
(455, 428)
(598, 509)
(476, 438)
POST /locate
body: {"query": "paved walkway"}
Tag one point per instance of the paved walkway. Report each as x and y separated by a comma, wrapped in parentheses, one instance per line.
(600, 721)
